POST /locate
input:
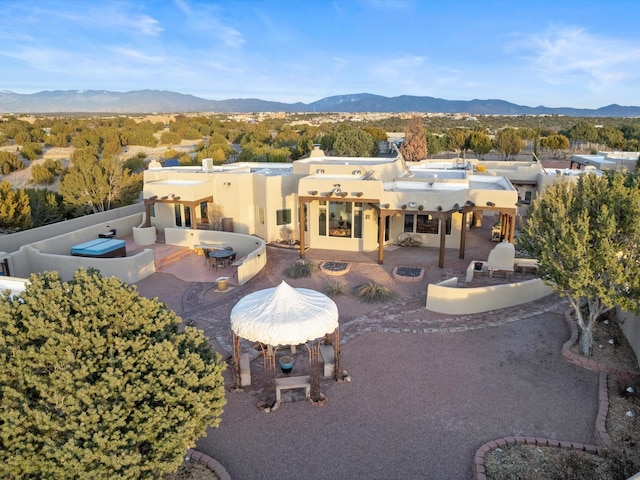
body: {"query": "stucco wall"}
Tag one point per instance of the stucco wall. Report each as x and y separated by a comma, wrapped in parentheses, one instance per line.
(467, 301)
(98, 221)
(631, 329)
(128, 269)
(251, 251)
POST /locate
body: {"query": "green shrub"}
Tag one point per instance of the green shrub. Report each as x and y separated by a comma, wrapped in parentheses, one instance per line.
(41, 175)
(301, 268)
(373, 293)
(334, 288)
(9, 163)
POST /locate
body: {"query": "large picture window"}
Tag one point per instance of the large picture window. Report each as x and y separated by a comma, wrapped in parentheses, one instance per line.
(283, 217)
(340, 219)
(424, 223)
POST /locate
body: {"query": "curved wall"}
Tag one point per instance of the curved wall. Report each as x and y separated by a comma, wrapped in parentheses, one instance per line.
(442, 298)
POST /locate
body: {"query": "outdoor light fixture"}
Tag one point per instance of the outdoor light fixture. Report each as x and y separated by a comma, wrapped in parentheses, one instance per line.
(413, 204)
(357, 172)
(227, 184)
(404, 207)
(320, 170)
(336, 188)
(420, 208)
(491, 204)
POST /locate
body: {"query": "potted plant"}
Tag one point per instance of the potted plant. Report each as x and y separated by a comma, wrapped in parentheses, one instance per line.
(286, 363)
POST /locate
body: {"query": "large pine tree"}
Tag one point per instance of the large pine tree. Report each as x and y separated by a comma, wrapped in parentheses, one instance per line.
(98, 382)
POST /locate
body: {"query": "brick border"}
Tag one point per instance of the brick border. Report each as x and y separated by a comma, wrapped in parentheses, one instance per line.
(209, 462)
(585, 362)
(601, 435)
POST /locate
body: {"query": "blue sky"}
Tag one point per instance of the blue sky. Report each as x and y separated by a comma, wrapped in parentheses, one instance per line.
(530, 52)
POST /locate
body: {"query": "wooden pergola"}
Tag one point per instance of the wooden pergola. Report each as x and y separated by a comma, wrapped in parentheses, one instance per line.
(194, 206)
(507, 217)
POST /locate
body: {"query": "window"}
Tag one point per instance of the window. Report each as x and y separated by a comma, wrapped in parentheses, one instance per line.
(152, 210)
(527, 197)
(426, 224)
(204, 215)
(283, 217)
(344, 219)
(408, 223)
(187, 216)
(178, 214)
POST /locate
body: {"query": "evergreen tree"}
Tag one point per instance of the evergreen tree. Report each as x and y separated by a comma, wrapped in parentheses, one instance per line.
(509, 143)
(480, 144)
(586, 236)
(15, 213)
(98, 382)
(353, 142)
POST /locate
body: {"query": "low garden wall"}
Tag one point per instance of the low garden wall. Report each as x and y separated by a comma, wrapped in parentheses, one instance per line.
(251, 251)
(445, 297)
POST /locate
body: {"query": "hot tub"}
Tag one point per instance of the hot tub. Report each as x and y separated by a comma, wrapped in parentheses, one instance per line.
(100, 248)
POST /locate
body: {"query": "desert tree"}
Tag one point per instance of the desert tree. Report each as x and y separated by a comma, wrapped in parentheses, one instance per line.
(354, 142)
(99, 382)
(586, 237)
(414, 146)
(508, 143)
(558, 144)
(456, 139)
(480, 144)
(92, 185)
(15, 212)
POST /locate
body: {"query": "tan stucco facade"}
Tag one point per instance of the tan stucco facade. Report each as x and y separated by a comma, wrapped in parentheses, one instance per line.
(341, 203)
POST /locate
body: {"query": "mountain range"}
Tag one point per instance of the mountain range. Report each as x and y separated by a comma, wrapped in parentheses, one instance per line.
(162, 101)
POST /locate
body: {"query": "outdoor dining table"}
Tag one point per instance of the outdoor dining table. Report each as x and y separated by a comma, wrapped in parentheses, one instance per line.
(222, 257)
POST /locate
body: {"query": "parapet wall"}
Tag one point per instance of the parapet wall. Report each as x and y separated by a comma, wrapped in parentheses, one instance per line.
(443, 298)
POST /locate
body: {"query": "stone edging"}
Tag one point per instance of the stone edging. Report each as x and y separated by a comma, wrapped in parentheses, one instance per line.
(211, 463)
(478, 459)
(601, 434)
(402, 278)
(585, 362)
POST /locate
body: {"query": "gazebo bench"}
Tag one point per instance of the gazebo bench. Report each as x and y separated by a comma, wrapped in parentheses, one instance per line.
(328, 357)
(288, 383)
(523, 264)
(245, 370)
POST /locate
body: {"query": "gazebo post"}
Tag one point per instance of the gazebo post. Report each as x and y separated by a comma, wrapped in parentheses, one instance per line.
(269, 355)
(336, 354)
(314, 366)
(235, 340)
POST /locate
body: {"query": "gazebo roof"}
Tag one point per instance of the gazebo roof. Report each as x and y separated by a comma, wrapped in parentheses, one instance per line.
(284, 315)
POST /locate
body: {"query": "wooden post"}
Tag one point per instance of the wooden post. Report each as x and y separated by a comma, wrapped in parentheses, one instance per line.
(302, 227)
(381, 229)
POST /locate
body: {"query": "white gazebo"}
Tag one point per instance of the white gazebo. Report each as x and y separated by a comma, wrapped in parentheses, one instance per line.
(284, 316)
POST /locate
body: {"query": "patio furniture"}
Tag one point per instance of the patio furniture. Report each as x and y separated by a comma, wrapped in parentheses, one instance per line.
(288, 383)
(220, 258)
(109, 234)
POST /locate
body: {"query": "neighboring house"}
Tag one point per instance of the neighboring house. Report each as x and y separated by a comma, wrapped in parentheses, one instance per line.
(619, 161)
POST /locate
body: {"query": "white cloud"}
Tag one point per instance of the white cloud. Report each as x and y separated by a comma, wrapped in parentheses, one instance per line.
(569, 55)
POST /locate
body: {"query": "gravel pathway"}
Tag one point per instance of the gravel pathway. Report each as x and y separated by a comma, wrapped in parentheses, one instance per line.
(427, 389)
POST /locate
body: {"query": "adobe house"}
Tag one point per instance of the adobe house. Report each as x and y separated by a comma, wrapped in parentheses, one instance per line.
(341, 203)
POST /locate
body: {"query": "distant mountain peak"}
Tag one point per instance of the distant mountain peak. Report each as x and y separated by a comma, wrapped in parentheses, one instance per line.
(147, 101)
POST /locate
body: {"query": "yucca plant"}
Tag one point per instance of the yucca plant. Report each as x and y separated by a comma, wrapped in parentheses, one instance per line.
(302, 268)
(334, 288)
(373, 293)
